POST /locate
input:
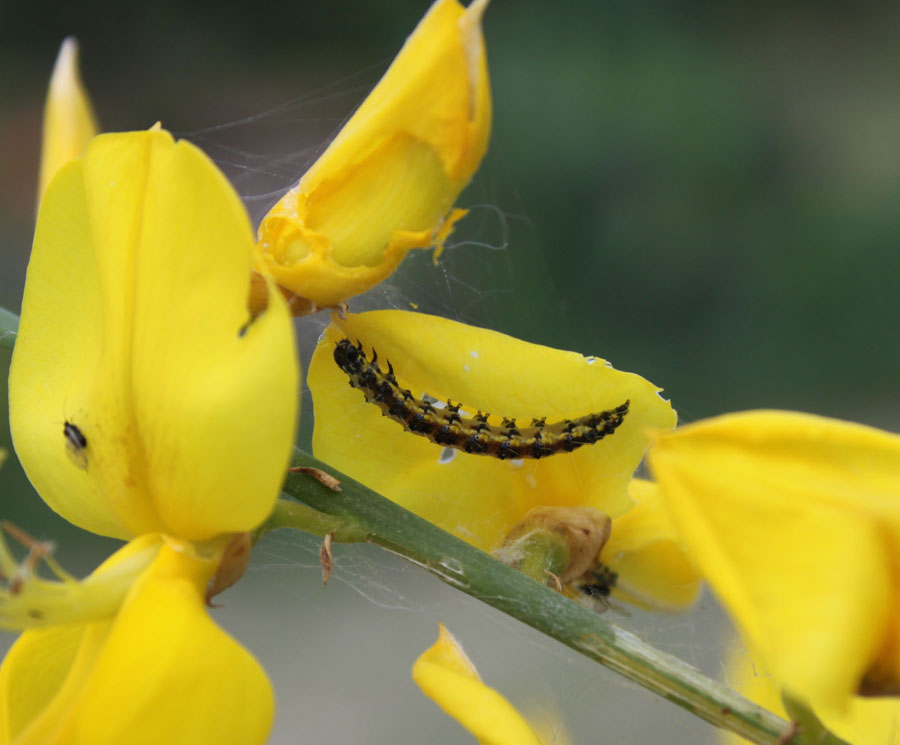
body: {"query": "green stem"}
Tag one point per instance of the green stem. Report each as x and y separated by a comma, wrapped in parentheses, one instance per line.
(296, 515)
(484, 577)
(809, 729)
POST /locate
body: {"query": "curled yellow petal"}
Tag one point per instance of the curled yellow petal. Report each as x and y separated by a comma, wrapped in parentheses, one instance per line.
(795, 522)
(478, 497)
(446, 675)
(387, 182)
(653, 569)
(143, 397)
(160, 671)
(69, 121)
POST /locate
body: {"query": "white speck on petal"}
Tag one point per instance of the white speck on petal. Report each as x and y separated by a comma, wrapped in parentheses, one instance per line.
(474, 354)
(531, 480)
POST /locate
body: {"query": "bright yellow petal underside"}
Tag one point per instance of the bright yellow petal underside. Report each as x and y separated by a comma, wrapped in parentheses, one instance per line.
(789, 516)
(477, 497)
(445, 675)
(134, 329)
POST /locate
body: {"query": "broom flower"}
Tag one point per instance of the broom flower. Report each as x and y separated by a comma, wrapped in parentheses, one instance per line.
(146, 403)
(483, 498)
(388, 181)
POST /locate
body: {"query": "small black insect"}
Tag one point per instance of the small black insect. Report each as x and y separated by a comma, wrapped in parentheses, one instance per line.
(76, 445)
(602, 582)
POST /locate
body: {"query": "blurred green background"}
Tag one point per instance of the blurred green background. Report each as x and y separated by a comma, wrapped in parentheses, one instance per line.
(705, 194)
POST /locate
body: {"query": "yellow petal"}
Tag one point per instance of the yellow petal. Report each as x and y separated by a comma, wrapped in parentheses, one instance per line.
(40, 661)
(162, 671)
(140, 399)
(445, 675)
(478, 497)
(793, 520)
(69, 121)
(645, 551)
(32, 673)
(866, 721)
(387, 182)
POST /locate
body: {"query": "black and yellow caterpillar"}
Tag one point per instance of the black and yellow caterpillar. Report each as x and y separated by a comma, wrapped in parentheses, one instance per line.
(447, 427)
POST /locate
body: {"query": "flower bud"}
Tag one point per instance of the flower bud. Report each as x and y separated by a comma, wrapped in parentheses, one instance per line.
(69, 121)
(582, 531)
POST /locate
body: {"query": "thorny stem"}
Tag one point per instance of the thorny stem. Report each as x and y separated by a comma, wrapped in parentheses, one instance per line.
(357, 513)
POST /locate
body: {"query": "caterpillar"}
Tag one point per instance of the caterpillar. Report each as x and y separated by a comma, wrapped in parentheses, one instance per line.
(447, 427)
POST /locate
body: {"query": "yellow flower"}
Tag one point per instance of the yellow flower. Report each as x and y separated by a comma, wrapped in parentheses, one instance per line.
(143, 397)
(156, 670)
(478, 497)
(146, 402)
(865, 721)
(795, 522)
(69, 121)
(447, 676)
(387, 182)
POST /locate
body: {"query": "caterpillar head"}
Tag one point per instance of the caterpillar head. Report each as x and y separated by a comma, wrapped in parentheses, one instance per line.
(348, 357)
